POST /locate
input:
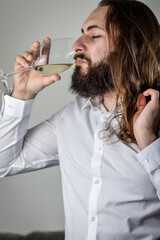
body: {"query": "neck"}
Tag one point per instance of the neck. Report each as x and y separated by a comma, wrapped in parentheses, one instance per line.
(109, 101)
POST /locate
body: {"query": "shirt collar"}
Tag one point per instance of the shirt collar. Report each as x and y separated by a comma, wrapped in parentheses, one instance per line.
(92, 102)
(97, 101)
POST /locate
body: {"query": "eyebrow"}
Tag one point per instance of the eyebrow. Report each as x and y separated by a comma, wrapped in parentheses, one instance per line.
(91, 27)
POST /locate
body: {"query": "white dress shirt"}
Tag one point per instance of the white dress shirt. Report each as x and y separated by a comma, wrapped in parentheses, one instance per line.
(110, 191)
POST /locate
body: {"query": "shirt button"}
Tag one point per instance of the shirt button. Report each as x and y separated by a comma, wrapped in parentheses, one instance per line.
(147, 160)
(93, 219)
(99, 148)
(10, 106)
(97, 181)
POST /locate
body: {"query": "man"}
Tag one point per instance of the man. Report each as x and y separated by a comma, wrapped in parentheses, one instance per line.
(106, 141)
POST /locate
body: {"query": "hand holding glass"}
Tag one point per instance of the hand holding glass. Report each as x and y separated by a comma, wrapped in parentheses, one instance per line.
(52, 57)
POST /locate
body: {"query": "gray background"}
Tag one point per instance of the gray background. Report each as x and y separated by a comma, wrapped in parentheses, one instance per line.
(33, 201)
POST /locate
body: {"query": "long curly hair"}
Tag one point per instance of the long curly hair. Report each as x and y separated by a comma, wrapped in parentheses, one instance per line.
(135, 62)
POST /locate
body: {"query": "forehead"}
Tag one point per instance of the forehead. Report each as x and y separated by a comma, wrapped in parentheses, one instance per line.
(97, 17)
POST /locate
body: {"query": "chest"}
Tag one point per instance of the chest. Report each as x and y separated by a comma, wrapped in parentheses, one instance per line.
(86, 154)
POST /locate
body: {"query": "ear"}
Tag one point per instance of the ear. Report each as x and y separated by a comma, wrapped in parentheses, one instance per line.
(141, 102)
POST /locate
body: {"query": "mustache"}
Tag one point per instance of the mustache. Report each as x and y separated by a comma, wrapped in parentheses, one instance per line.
(82, 56)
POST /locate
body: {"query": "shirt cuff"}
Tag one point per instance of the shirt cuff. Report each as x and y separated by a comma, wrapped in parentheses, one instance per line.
(15, 107)
(149, 157)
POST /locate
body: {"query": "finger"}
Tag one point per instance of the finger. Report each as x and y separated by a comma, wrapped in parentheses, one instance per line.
(141, 102)
(21, 62)
(28, 56)
(46, 39)
(46, 47)
(35, 46)
(154, 94)
(35, 50)
(50, 79)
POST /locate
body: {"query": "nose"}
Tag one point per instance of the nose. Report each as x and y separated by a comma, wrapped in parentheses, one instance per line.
(79, 45)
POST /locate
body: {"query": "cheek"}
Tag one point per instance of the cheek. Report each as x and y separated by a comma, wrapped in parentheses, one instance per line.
(100, 54)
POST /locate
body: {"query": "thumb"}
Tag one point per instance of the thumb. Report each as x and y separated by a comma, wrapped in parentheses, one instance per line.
(50, 79)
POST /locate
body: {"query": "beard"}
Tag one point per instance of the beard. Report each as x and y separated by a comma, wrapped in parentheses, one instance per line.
(96, 82)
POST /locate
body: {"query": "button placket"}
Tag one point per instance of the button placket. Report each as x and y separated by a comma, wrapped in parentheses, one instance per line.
(93, 219)
(96, 181)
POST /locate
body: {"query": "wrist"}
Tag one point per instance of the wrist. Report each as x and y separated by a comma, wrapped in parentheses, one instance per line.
(23, 95)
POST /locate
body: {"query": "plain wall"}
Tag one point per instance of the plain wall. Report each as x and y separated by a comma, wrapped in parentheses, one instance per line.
(33, 201)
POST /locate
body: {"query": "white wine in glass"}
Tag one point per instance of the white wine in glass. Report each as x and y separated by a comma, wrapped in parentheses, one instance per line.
(51, 69)
(52, 57)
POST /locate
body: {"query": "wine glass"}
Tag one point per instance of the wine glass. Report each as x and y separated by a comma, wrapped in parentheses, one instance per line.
(52, 57)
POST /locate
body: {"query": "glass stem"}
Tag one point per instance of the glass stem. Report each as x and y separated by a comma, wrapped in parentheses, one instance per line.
(7, 75)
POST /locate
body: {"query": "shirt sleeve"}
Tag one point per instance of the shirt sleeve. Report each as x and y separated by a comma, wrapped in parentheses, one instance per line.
(149, 158)
(23, 150)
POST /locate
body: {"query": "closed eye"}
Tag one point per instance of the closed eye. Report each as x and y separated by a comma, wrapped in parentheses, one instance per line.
(96, 36)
